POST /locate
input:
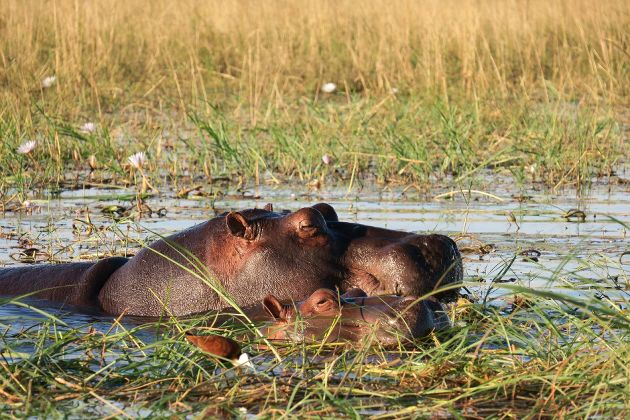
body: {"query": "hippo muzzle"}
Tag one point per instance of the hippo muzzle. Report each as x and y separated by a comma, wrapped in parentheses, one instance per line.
(382, 261)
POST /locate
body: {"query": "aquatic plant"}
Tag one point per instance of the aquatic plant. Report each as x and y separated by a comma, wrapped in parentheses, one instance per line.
(27, 147)
(438, 91)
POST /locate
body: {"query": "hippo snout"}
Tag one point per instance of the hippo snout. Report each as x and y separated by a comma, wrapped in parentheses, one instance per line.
(410, 265)
(395, 320)
(412, 317)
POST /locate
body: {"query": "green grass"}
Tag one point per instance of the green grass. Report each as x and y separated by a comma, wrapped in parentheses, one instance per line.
(404, 140)
(556, 355)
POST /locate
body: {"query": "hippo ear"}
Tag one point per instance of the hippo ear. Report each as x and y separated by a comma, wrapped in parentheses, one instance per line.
(321, 302)
(238, 225)
(219, 346)
(268, 207)
(274, 307)
(330, 215)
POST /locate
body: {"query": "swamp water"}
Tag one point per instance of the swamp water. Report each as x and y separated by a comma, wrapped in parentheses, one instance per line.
(524, 238)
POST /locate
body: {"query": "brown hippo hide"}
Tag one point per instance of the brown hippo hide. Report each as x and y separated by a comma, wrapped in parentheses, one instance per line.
(249, 255)
(326, 316)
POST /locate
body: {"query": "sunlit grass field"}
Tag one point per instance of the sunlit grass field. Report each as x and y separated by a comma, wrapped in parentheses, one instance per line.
(217, 96)
(425, 91)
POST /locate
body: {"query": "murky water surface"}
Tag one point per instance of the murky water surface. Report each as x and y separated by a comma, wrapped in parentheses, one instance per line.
(490, 229)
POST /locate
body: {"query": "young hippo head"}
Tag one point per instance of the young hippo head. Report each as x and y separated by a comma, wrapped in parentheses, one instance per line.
(291, 254)
(326, 316)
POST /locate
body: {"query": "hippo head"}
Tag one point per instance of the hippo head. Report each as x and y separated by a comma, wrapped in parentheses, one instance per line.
(291, 254)
(353, 317)
(327, 316)
(257, 252)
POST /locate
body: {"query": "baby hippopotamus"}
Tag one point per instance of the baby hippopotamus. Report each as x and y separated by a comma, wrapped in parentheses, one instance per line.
(326, 316)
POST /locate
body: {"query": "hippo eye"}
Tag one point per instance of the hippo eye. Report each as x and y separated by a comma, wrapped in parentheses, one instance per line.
(325, 304)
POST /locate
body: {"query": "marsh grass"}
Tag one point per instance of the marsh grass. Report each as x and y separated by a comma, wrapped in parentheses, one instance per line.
(554, 352)
(409, 142)
(265, 51)
(426, 91)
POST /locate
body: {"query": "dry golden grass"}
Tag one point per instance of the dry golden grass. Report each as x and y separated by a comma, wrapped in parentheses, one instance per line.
(264, 51)
(529, 87)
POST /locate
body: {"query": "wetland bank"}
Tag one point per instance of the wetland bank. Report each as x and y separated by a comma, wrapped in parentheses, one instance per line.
(504, 125)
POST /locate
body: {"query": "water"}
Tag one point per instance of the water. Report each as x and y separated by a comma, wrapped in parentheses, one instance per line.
(589, 252)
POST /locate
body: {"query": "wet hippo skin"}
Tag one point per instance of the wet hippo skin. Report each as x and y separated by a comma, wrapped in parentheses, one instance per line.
(249, 255)
(326, 316)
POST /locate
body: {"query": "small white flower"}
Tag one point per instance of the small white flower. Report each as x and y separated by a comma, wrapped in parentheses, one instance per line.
(326, 159)
(244, 361)
(27, 147)
(329, 87)
(393, 91)
(137, 160)
(88, 127)
(49, 81)
(531, 168)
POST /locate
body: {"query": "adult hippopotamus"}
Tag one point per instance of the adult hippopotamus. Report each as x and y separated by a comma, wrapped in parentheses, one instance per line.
(248, 255)
(326, 316)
